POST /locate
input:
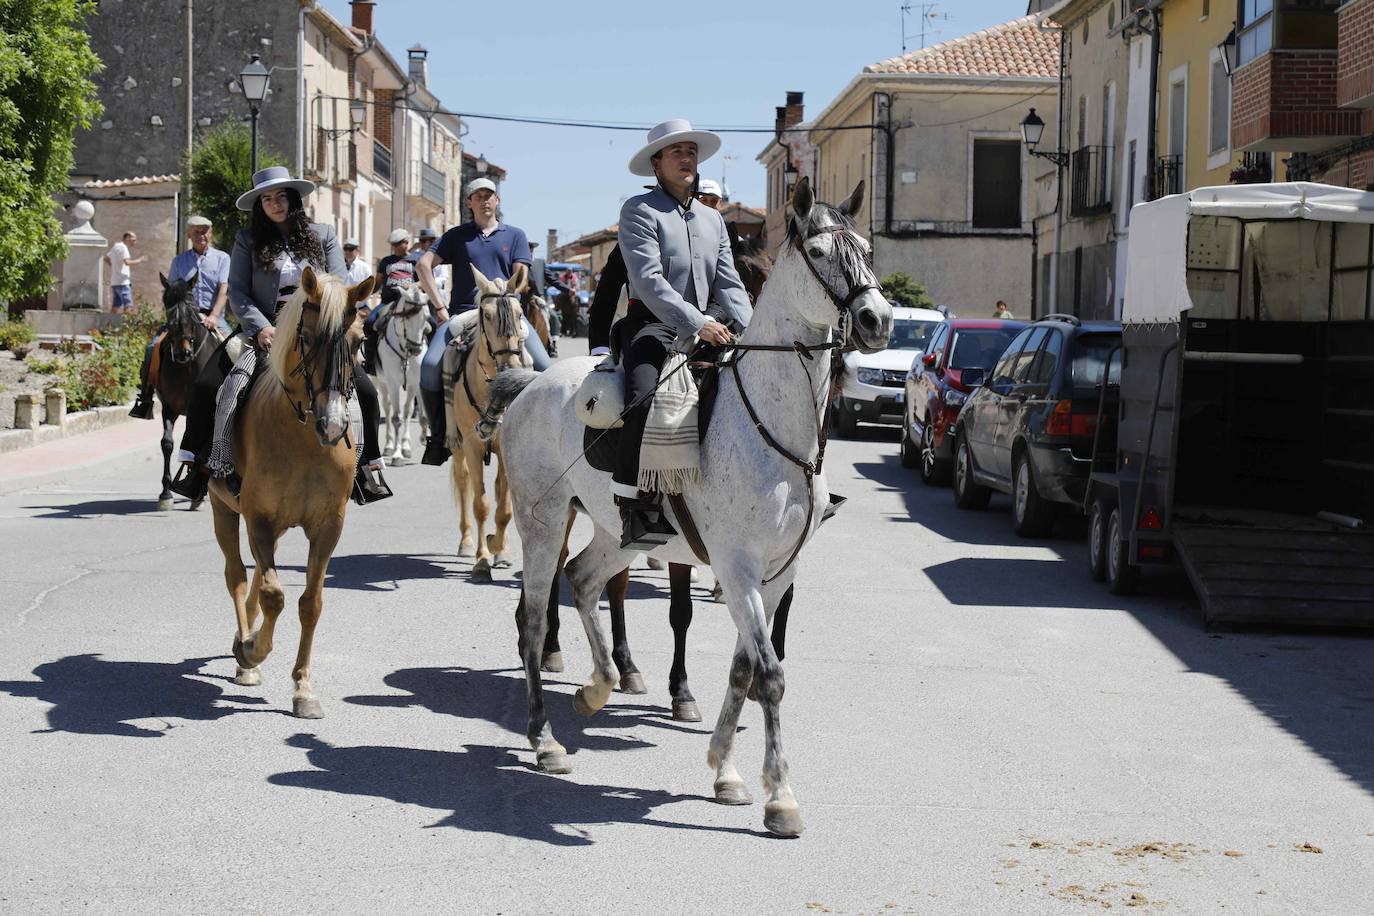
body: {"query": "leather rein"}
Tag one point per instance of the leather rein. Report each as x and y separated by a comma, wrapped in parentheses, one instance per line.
(305, 369)
(413, 348)
(492, 351)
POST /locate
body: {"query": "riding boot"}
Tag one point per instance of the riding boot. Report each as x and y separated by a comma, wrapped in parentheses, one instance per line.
(143, 405)
(369, 486)
(645, 525)
(436, 448)
(191, 482)
(370, 364)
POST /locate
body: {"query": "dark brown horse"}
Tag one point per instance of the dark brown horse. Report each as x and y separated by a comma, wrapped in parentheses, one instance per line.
(182, 351)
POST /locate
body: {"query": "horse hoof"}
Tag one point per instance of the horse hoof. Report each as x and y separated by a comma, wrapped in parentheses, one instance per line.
(466, 549)
(553, 762)
(248, 677)
(501, 563)
(241, 654)
(164, 504)
(552, 662)
(632, 682)
(782, 819)
(582, 707)
(480, 573)
(732, 792)
(686, 711)
(306, 708)
(195, 503)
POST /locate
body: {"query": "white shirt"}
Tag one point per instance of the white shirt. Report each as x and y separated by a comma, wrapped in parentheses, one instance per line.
(119, 271)
(358, 272)
(290, 276)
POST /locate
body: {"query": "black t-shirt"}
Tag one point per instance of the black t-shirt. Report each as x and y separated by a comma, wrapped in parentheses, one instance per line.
(398, 274)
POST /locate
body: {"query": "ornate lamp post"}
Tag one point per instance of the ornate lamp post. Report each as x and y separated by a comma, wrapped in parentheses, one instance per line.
(253, 80)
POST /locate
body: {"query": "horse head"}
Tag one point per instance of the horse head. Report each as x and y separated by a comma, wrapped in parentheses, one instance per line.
(841, 263)
(752, 262)
(499, 322)
(185, 333)
(319, 331)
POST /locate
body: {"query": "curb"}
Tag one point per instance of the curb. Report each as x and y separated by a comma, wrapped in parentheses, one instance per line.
(74, 424)
(87, 470)
(97, 447)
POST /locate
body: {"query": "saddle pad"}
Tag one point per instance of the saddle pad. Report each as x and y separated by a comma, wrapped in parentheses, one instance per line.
(600, 446)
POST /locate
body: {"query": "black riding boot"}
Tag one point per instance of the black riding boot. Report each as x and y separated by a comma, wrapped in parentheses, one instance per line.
(370, 363)
(436, 450)
(143, 404)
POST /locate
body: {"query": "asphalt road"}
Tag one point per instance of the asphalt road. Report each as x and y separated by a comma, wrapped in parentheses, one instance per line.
(972, 725)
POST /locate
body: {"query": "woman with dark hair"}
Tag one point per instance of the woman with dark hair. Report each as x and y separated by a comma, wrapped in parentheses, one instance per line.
(264, 269)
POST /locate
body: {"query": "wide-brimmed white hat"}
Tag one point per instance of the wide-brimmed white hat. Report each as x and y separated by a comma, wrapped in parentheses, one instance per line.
(674, 130)
(274, 177)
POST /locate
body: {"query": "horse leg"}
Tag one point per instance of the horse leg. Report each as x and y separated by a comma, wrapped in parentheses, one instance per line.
(405, 394)
(304, 705)
(164, 499)
(729, 785)
(496, 542)
(631, 681)
(680, 618)
(236, 580)
(481, 508)
(552, 658)
(262, 541)
(589, 571)
(541, 572)
(462, 492)
(781, 813)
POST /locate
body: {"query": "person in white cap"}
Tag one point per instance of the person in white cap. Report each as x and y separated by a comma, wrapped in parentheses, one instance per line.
(501, 252)
(709, 192)
(355, 268)
(210, 267)
(395, 275)
(683, 289)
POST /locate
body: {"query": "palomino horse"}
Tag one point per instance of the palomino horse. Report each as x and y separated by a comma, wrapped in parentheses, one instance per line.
(761, 497)
(497, 342)
(294, 475)
(183, 351)
(398, 365)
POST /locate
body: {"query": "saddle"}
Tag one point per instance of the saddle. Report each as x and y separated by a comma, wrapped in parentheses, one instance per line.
(601, 443)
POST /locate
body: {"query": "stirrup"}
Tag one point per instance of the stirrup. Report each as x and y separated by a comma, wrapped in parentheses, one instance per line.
(645, 526)
(191, 482)
(369, 486)
(143, 406)
(835, 502)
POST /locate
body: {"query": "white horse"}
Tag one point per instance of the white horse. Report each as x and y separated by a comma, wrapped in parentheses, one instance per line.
(398, 367)
(758, 501)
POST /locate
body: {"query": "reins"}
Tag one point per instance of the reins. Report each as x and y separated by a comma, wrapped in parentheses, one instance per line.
(305, 369)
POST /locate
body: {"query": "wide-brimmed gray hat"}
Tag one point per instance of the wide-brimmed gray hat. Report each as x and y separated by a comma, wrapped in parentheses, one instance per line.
(428, 233)
(274, 177)
(674, 130)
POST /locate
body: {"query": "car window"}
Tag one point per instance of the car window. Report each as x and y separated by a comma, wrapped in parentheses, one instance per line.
(1090, 353)
(978, 348)
(1002, 372)
(1046, 361)
(1020, 366)
(908, 334)
(937, 344)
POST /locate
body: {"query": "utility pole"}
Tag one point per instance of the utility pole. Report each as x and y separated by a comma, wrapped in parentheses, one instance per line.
(183, 213)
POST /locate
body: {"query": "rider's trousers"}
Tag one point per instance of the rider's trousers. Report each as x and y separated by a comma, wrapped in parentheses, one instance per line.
(644, 348)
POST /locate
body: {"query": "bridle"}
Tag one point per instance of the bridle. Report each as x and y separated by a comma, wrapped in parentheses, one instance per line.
(412, 347)
(492, 351)
(182, 315)
(334, 345)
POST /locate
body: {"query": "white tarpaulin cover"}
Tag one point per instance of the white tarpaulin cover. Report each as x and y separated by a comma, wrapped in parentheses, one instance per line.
(1157, 262)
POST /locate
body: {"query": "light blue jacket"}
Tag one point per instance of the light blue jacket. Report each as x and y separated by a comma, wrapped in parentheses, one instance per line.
(679, 261)
(253, 290)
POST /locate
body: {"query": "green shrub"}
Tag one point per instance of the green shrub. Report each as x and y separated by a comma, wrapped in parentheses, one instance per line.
(903, 289)
(15, 335)
(45, 366)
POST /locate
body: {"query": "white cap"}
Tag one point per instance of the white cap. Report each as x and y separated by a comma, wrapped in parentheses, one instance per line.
(478, 184)
(199, 221)
(350, 243)
(709, 186)
(397, 236)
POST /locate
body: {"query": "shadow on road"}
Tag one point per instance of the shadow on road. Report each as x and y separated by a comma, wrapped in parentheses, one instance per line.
(99, 508)
(1317, 686)
(384, 572)
(93, 696)
(484, 789)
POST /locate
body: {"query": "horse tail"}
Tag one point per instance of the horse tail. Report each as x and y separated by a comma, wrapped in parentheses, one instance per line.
(501, 391)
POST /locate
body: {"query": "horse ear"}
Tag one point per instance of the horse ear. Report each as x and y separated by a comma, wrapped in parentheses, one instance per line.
(802, 199)
(310, 283)
(191, 280)
(361, 291)
(851, 207)
(733, 233)
(483, 284)
(163, 277)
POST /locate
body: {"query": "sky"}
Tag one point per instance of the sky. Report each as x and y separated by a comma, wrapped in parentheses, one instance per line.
(714, 62)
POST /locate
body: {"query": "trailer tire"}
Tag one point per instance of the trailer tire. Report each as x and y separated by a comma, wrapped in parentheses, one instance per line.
(1097, 539)
(1032, 515)
(1122, 577)
(968, 493)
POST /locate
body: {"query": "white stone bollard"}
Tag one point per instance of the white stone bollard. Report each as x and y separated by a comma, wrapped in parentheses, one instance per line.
(25, 414)
(57, 406)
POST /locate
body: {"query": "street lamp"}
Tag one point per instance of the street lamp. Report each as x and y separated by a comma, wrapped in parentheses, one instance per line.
(357, 113)
(481, 165)
(253, 80)
(1228, 50)
(1032, 130)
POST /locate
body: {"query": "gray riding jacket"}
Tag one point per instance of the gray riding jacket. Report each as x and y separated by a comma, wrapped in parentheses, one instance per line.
(679, 261)
(253, 290)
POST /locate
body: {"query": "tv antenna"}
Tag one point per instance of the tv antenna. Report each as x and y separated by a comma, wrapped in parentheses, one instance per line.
(926, 15)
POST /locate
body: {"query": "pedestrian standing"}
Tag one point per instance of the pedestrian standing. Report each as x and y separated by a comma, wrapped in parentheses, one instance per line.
(120, 258)
(1002, 311)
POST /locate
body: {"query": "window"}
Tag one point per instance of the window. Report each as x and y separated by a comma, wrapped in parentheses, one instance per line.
(1206, 8)
(978, 348)
(1019, 371)
(1046, 361)
(1219, 107)
(1002, 372)
(996, 184)
(1295, 24)
(1178, 117)
(1082, 121)
(937, 344)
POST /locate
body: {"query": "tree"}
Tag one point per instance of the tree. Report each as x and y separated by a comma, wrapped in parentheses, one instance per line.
(903, 289)
(221, 169)
(46, 93)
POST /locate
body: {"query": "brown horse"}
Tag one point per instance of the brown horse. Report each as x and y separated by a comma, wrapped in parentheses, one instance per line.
(496, 345)
(182, 351)
(537, 315)
(294, 475)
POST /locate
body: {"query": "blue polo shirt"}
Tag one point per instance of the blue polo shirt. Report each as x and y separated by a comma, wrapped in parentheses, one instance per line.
(495, 255)
(214, 270)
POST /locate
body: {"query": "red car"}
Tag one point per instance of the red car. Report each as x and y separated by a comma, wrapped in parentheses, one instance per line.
(935, 390)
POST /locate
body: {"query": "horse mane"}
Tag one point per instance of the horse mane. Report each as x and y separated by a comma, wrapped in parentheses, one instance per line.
(508, 315)
(853, 258)
(333, 307)
(176, 298)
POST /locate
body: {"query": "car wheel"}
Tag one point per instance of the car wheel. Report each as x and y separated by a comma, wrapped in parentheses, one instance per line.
(845, 423)
(1097, 540)
(1032, 514)
(911, 455)
(934, 471)
(968, 493)
(1122, 577)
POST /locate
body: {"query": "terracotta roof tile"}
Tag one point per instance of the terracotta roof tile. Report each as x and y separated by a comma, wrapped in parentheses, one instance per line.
(1016, 48)
(132, 182)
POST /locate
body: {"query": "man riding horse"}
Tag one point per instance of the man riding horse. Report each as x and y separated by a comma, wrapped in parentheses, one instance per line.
(683, 288)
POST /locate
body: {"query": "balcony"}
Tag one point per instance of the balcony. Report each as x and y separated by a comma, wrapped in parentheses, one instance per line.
(1355, 55)
(381, 162)
(433, 188)
(1090, 189)
(1168, 177)
(1286, 101)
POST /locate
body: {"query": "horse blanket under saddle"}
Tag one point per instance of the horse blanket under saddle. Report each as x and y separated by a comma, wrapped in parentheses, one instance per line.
(670, 453)
(231, 395)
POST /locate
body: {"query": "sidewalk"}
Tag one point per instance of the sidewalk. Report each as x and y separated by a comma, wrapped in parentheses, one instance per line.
(92, 454)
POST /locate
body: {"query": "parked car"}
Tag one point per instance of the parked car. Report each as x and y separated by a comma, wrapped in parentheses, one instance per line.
(872, 386)
(935, 389)
(1031, 430)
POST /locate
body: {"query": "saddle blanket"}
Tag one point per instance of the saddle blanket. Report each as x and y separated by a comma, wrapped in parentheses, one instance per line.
(670, 453)
(231, 395)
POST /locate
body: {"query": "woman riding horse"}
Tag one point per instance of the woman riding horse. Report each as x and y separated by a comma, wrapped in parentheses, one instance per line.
(265, 269)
